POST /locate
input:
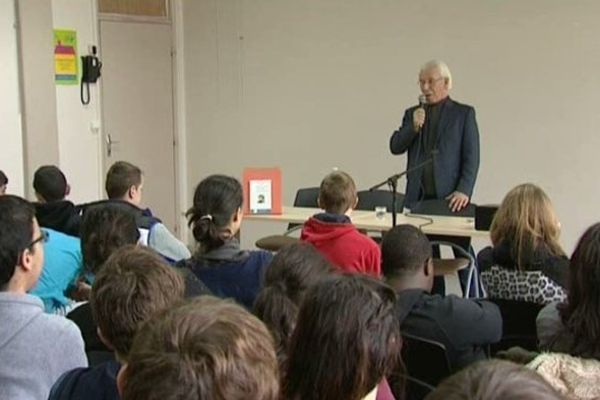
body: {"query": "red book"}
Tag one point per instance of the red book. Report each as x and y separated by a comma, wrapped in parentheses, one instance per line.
(262, 190)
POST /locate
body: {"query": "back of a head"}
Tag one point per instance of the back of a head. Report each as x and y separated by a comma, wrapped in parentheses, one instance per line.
(293, 270)
(204, 349)
(133, 285)
(216, 199)
(50, 183)
(120, 177)
(346, 340)
(526, 219)
(581, 313)
(104, 229)
(404, 250)
(16, 231)
(495, 380)
(337, 193)
(3, 178)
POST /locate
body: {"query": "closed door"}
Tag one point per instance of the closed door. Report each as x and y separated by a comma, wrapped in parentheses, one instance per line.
(137, 107)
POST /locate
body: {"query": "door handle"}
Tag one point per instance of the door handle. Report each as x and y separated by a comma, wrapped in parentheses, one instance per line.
(109, 144)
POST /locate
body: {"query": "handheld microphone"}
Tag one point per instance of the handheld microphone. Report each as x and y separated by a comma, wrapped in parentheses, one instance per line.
(422, 104)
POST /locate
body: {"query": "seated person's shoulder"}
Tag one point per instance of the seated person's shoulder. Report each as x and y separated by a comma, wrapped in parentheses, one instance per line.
(59, 325)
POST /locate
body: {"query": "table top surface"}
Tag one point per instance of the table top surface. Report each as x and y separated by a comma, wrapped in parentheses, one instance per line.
(430, 224)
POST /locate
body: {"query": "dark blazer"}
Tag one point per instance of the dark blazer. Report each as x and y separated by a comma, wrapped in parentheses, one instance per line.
(457, 160)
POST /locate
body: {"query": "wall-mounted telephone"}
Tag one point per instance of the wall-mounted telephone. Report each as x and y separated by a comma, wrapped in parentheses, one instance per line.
(90, 72)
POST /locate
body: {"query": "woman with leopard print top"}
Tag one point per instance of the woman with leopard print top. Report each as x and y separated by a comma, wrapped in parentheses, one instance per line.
(526, 261)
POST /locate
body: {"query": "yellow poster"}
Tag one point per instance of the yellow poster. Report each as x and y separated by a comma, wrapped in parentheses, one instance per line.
(65, 57)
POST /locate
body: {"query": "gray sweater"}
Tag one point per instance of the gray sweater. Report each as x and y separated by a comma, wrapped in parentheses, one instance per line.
(35, 348)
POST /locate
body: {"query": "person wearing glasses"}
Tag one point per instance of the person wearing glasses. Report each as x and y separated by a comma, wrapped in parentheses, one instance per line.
(444, 131)
(36, 348)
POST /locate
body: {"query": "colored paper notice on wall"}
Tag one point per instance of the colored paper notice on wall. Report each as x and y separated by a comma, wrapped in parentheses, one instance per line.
(65, 57)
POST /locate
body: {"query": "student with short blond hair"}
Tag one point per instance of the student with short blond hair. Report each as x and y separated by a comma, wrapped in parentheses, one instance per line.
(133, 285)
(495, 380)
(206, 348)
(333, 233)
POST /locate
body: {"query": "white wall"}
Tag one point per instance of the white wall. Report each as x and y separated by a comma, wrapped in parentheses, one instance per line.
(11, 161)
(40, 129)
(313, 84)
(79, 144)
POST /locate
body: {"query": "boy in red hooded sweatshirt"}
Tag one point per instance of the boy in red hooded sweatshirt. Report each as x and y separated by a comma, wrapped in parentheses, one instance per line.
(333, 233)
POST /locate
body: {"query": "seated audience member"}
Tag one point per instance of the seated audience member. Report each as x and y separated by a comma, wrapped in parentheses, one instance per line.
(3, 183)
(346, 341)
(62, 268)
(52, 209)
(134, 284)
(526, 262)
(494, 380)
(124, 182)
(204, 349)
(104, 229)
(574, 377)
(35, 348)
(333, 233)
(463, 326)
(215, 219)
(294, 269)
(573, 327)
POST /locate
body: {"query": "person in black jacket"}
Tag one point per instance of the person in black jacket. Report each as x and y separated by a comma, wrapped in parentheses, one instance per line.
(53, 210)
(463, 326)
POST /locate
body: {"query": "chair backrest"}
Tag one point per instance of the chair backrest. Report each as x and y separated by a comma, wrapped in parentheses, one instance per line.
(518, 327)
(306, 197)
(368, 200)
(425, 360)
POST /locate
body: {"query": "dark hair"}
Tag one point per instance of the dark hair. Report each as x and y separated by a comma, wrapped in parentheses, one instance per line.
(404, 250)
(104, 229)
(3, 179)
(494, 380)
(294, 269)
(16, 232)
(133, 284)
(204, 349)
(120, 177)
(50, 183)
(216, 199)
(337, 193)
(347, 339)
(581, 312)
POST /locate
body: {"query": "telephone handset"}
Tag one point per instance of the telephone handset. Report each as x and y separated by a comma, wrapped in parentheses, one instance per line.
(90, 72)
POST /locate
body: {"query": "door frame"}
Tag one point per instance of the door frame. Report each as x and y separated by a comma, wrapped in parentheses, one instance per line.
(178, 100)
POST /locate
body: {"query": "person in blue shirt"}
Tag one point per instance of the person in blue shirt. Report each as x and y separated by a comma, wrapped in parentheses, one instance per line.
(215, 219)
(62, 266)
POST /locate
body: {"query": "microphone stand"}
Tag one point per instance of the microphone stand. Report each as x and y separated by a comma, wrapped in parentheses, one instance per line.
(392, 182)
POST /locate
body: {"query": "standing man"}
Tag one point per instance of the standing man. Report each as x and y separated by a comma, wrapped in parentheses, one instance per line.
(446, 132)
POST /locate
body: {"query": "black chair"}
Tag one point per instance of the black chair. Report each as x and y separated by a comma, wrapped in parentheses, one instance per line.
(518, 325)
(440, 207)
(368, 200)
(425, 360)
(305, 197)
(415, 389)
